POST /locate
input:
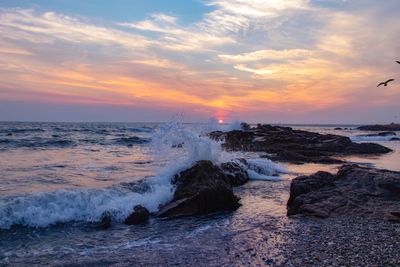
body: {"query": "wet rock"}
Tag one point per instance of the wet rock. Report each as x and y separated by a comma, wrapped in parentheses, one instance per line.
(236, 172)
(140, 215)
(295, 146)
(245, 126)
(203, 188)
(105, 220)
(381, 127)
(353, 191)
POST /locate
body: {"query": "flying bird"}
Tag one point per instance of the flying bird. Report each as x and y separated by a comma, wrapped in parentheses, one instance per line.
(385, 83)
(398, 62)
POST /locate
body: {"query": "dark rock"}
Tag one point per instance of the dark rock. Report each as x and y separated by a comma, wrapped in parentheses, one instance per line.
(296, 146)
(105, 220)
(353, 191)
(245, 126)
(386, 133)
(381, 127)
(338, 128)
(395, 139)
(235, 172)
(140, 215)
(201, 189)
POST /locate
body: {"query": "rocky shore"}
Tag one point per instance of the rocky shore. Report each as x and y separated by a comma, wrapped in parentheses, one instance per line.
(381, 127)
(353, 191)
(296, 146)
(345, 219)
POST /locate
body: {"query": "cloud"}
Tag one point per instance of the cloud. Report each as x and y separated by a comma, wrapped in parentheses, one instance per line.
(268, 54)
(49, 27)
(259, 8)
(248, 57)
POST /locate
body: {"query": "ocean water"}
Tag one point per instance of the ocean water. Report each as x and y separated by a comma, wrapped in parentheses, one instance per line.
(56, 179)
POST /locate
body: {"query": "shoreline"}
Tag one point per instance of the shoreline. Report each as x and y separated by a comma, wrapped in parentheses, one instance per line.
(257, 233)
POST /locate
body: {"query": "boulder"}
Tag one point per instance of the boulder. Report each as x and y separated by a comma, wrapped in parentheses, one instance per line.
(353, 191)
(140, 215)
(203, 188)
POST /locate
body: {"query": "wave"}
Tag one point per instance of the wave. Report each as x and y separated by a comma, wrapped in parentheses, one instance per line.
(37, 143)
(61, 206)
(129, 141)
(376, 138)
(59, 142)
(21, 130)
(264, 169)
(140, 129)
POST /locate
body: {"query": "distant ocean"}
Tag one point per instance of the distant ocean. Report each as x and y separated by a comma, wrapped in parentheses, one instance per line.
(56, 179)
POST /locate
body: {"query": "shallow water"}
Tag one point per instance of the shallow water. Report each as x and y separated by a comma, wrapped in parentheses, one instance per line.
(77, 181)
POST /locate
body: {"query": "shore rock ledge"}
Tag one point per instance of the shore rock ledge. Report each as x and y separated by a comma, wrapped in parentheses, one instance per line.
(203, 188)
(380, 127)
(295, 146)
(353, 191)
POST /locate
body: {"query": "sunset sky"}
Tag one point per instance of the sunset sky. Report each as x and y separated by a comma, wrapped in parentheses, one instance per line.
(288, 61)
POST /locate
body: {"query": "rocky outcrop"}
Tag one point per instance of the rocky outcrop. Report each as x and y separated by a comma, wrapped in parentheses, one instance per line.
(353, 191)
(296, 146)
(381, 127)
(236, 172)
(140, 215)
(203, 188)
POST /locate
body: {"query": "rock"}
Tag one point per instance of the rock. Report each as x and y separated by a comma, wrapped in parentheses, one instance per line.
(353, 191)
(140, 215)
(381, 127)
(203, 188)
(338, 128)
(235, 172)
(105, 220)
(295, 146)
(394, 139)
(245, 126)
(386, 133)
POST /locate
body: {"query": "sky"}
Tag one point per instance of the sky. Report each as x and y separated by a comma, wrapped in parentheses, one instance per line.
(278, 61)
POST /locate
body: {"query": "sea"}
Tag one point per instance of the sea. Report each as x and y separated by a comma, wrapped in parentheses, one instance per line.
(57, 179)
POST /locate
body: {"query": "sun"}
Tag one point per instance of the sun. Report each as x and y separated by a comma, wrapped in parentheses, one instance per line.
(220, 121)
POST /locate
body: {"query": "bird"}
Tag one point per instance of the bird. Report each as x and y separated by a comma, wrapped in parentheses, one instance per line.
(398, 62)
(385, 83)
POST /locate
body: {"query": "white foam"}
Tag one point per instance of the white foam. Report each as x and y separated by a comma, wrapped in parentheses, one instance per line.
(87, 205)
(264, 169)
